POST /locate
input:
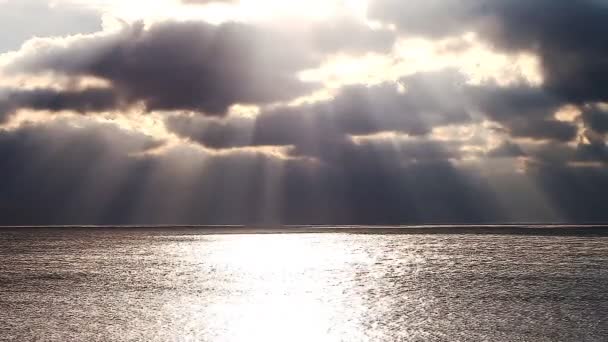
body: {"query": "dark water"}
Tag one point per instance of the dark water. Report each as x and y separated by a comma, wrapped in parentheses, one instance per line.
(164, 285)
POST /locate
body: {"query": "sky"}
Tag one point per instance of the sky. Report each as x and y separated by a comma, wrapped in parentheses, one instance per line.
(310, 112)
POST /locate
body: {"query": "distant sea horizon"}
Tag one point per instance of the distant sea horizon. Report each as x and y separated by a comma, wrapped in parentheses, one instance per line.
(503, 228)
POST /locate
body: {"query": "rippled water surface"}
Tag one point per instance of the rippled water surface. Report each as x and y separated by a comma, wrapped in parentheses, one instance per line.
(103, 285)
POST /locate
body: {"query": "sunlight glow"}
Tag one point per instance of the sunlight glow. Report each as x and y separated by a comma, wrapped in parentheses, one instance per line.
(243, 10)
(312, 9)
(467, 54)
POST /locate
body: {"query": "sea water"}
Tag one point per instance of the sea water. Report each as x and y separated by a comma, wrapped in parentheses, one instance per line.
(176, 285)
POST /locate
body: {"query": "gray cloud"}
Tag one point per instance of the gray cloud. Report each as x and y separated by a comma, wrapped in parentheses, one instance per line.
(359, 110)
(92, 170)
(507, 149)
(84, 101)
(566, 35)
(555, 153)
(190, 66)
(213, 133)
(523, 111)
(576, 192)
(432, 100)
(433, 18)
(6, 106)
(514, 102)
(102, 174)
(544, 129)
(198, 66)
(596, 118)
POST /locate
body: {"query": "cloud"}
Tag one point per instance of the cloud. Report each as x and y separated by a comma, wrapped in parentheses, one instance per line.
(523, 111)
(180, 66)
(544, 129)
(83, 101)
(428, 147)
(58, 171)
(562, 33)
(592, 153)
(96, 172)
(434, 18)
(596, 118)
(194, 65)
(414, 106)
(576, 192)
(104, 174)
(431, 100)
(507, 149)
(213, 133)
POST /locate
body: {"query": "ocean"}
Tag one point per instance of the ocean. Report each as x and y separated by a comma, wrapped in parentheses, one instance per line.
(322, 284)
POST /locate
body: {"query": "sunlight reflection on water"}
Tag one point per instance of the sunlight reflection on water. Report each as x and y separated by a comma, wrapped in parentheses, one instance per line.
(282, 288)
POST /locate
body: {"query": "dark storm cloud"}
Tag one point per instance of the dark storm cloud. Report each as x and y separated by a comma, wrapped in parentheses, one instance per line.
(576, 192)
(58, 173)
(6, 107)
(569, 36)
(357, 110)
(25, 19)
(555, 153)
(61, 173)
(198, 66)
(82, 101)
(411, 150)
(189, 66)
(543, 129)
(523, 111)
(507, 149)
(596, 118)
(82, 172)
(431, 100)
(514, 102)
(213, 133)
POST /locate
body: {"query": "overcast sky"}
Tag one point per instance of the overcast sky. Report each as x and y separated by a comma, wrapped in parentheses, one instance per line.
(321, 111)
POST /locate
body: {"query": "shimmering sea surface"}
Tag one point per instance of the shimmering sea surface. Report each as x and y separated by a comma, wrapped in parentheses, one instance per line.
(189, 285)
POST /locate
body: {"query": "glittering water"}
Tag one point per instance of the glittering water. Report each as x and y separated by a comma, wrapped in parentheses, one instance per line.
(113, 285)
